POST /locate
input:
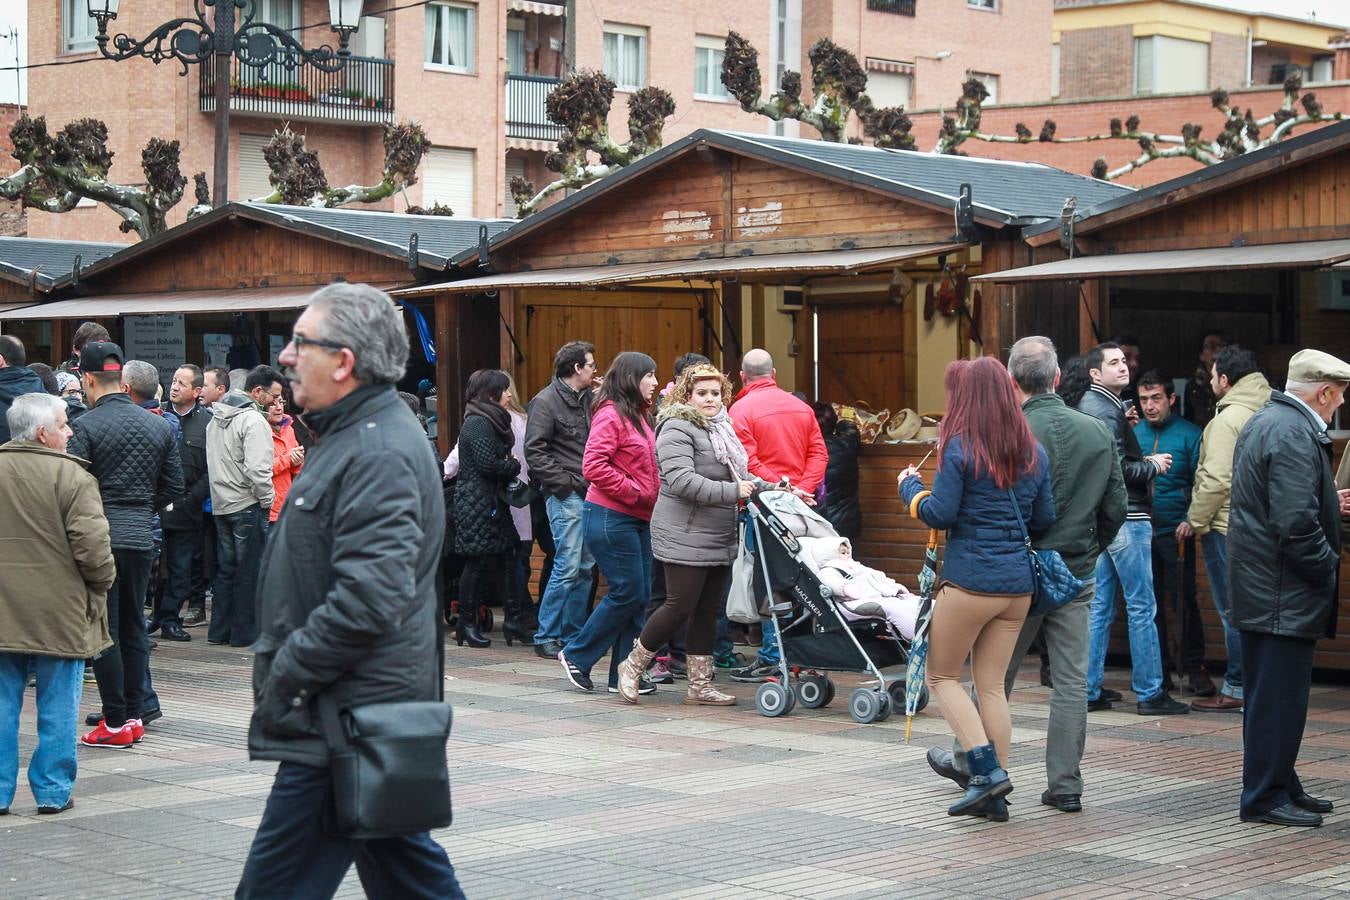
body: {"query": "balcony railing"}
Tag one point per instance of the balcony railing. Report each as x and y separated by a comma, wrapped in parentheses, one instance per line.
(899, 7)
(525, 115)
(362, 93)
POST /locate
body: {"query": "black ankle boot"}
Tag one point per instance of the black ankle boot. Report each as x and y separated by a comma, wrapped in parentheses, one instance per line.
(466, 629)
(988, 781)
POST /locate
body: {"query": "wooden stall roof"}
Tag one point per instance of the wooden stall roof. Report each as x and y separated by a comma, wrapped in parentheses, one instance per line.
(1309, 254)
(385, 234)
(1208, 181)
(109, 305)
(838, 262)
(41, 263)
(1002, 193)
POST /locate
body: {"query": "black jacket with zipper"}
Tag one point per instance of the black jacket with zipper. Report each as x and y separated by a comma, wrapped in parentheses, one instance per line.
(347, 588)
(187, 510)
(1138, 472)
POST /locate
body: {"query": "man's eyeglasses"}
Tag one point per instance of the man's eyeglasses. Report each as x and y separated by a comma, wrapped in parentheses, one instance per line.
(301, 342)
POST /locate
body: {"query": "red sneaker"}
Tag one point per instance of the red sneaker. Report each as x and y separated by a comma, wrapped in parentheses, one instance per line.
(102, 736)
(138, 729)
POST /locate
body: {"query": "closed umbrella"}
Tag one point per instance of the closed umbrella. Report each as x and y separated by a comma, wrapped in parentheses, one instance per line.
(918, 648)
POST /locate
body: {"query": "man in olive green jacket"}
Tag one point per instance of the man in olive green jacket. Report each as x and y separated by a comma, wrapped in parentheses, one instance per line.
(1242, 390)
(1090, 507)
(53, 584)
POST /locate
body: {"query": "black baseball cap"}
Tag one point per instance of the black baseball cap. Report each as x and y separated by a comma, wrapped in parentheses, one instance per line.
(101, 356)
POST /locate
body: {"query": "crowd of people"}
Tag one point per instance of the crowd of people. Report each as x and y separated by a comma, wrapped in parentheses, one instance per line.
(126, 510)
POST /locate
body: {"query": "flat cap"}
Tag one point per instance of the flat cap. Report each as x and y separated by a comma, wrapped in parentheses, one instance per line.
(1311, 366)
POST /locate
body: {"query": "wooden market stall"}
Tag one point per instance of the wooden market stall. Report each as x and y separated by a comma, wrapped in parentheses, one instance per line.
(1258, 247)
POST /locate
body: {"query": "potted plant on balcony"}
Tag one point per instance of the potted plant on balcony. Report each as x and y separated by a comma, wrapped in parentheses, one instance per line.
(271, 91)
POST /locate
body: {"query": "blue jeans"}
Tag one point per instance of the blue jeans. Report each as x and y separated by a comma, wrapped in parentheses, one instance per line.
(622, 546)
(1216, 566)
(768, 654)
(239, 549)
(562, 609)
(1128, 562)
(51, 771)
(293, 856)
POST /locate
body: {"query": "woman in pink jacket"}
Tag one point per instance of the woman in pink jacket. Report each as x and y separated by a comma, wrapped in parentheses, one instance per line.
(620, 465)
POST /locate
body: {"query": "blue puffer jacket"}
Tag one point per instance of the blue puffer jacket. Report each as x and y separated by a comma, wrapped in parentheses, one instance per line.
(984, 550)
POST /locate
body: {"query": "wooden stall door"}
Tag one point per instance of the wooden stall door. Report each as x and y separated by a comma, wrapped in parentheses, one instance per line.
(662, 325)
(862, 355)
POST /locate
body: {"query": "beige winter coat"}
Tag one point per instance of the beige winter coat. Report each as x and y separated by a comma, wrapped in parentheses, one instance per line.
(58, 562)
(1214, 475)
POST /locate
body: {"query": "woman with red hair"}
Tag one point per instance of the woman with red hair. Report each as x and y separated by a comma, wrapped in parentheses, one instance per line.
(989, 460)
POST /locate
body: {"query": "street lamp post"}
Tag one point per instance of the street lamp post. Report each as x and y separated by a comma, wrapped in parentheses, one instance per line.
(194, 41)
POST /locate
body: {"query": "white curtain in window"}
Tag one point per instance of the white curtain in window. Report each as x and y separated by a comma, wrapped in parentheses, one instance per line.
(79, 27)
(708, 55)
(515, 51)
(623, 59)
(449, 35)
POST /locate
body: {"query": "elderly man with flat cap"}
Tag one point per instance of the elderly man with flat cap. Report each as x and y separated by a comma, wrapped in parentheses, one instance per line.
(1284, 551)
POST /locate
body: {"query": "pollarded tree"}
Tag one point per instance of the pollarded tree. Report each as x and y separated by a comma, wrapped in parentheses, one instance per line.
(581, 105)
(57, 171)
(298, 179)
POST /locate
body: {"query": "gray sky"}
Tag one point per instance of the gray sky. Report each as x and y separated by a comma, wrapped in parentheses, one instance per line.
(14, 14)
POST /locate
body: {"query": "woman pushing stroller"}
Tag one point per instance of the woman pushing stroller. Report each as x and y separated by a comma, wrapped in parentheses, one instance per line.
(989, 461)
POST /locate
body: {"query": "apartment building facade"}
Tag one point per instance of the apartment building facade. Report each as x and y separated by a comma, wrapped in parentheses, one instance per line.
(476, 73)
(1122, 48)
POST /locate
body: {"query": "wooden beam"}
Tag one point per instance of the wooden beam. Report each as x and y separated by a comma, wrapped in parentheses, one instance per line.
(447, 365)
(1090, 311)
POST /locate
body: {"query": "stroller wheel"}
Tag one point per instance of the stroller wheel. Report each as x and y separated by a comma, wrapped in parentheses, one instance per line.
(886, 705)
(814, 691)
(773, 700)
(897, 691)
(923, 699)
(864, 704)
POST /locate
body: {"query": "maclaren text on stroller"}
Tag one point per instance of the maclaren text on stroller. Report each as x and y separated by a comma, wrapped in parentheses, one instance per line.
(814, 635)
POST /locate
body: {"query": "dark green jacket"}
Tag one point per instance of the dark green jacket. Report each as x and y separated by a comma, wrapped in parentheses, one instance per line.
(1085, 479)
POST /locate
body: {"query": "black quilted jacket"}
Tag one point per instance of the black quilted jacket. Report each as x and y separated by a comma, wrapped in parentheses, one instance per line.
(133, 455)
(483, 523)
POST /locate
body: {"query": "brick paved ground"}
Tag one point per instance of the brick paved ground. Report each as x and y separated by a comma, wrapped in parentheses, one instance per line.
(560, 794)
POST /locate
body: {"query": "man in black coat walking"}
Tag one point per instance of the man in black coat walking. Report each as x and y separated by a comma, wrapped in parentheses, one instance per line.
(184, 519)
(348, 598)
(1284, 552)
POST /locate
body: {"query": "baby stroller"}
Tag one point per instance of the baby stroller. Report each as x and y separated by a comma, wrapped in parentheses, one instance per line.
(814, 635)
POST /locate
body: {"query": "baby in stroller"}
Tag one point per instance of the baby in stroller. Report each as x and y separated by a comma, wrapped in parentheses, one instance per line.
(861, 592)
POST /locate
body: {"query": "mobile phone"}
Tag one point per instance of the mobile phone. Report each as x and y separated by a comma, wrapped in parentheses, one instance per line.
(1129, 405)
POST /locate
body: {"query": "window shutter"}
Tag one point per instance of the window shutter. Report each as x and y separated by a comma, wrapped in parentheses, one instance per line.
(447, 178)
(253, 182)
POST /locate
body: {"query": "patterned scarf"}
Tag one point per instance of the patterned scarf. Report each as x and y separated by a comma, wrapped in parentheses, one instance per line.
(727, 447)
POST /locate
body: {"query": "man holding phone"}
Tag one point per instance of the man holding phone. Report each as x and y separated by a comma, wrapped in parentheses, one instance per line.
(1128, 560)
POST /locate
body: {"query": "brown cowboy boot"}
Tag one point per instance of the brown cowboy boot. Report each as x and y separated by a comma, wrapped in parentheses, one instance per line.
(631, 669)
(701, 692)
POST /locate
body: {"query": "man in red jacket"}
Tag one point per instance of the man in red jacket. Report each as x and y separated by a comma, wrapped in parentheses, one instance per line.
(782, 441)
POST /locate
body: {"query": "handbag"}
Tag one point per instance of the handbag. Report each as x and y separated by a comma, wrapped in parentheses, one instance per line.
(518, 494)
(742, 605)
(1052, 583)
(387, 761)
(388, 767)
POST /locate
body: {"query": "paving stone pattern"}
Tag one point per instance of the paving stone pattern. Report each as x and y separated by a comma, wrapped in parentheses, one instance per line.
(563, 794)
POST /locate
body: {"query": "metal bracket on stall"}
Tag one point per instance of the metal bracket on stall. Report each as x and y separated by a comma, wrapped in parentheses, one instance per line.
(484, 257)
(413, 260)
(1066, 223)
(75, 272)
(966, 229)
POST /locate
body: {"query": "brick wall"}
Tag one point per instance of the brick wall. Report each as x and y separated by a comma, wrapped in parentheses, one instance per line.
(1165, 114)
(13, 218)
(1096, 62)
(1227, 60)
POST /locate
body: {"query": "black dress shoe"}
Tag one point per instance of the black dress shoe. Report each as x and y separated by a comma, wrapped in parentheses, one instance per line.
(172, 631)
(1162, 705)
(1289, 814)
(1113, 696)
(1098, 705)
(1313, 804)
(548, 649)
(53, 810)
(1063, 802)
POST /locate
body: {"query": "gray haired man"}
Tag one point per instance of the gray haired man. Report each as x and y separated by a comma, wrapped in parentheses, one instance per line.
(348, 597)
(1089, 510)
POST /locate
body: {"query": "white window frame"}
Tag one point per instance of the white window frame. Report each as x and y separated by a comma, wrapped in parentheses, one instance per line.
(1155, 65)
(625, 34)
(516, 26)
(472, 11)
(985, 78)
(983, 5)
(709, 51)
(78, 28)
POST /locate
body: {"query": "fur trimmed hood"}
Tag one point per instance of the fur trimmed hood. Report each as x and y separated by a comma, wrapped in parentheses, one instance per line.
(682, 411)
